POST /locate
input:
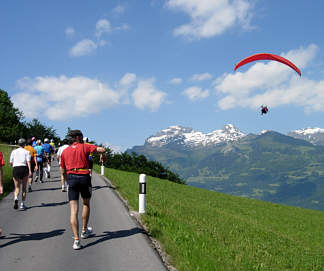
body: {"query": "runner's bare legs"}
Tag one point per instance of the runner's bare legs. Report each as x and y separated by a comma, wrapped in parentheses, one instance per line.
(74, 207)
(85, 214)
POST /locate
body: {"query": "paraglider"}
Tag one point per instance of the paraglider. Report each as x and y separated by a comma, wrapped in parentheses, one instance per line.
(267, 56)
(264, 109)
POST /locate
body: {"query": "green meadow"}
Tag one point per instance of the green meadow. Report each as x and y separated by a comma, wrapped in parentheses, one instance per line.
(207, 230)
(7, 170)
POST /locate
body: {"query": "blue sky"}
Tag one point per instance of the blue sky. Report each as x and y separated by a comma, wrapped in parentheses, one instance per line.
(122, 70)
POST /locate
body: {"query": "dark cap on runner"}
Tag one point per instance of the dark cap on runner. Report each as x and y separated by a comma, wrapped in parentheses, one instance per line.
(21, 142)
(75, 133)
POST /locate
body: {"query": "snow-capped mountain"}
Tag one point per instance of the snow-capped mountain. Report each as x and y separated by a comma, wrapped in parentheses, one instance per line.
(191, 138)
(312, 135)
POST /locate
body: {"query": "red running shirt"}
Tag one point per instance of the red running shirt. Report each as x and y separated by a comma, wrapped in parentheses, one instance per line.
(2, 163)
(76, 156)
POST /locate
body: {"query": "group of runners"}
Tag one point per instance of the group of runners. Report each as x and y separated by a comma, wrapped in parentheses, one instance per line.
(75, 160)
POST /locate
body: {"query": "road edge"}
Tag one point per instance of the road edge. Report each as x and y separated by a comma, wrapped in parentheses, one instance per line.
(137, 219)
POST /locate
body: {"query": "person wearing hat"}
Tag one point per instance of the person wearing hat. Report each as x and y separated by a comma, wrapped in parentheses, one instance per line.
(40, 157)
(58, 157)
(34, 143)
(20, 161)
(75, 163)
(49, 150)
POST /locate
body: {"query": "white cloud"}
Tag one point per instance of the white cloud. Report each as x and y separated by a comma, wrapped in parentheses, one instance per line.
(176, 81)
(119, 9)
(114, 148)
(102, 26)
(274, 84)
(128, 79)
(201, 77)
(211, 17)
(69, 32)
(195, 93)
(61, 97)
(83, 47)
(122, 27)
(146, 95)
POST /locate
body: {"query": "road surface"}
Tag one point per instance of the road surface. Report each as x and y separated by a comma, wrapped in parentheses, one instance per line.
(40, 238)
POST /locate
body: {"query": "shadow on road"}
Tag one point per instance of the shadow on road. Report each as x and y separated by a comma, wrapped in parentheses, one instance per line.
(47, 189)
(53, 204)
(97, 187)
(107, 235)
(21, 237)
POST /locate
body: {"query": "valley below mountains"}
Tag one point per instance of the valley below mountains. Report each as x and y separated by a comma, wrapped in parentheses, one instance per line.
(270, 166)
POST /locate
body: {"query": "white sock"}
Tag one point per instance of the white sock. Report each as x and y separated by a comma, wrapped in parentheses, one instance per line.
(16, 198)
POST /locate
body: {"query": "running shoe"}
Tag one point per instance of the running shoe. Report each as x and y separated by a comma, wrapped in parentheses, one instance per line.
(77, 244)
(87, 233)
(30, 189)
(16, 204)
(36, 178)
(23, 206)
(63, 189)
(48, 175)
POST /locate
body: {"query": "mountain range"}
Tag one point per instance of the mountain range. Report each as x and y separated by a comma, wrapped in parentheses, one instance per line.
(270, 166)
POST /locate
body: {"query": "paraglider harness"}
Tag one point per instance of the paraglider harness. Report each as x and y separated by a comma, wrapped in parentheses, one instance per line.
(264, 110)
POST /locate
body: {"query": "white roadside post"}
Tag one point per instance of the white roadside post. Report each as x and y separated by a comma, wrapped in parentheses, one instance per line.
(102, 169)
(142, 193)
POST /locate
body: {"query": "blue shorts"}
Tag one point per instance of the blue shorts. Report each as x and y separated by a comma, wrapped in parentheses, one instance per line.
(79, 184)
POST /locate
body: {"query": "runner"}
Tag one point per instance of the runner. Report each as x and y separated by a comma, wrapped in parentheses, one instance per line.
(1, 178)
(20, 161)
(86, 140)
(48, 155)
(40, 161)
(33, 162)
(75, 163)
(58, 156)
(34, 142)
(54, 148)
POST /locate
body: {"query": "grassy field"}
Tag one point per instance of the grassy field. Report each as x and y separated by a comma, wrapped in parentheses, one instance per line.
(7, 170)
(206, 230)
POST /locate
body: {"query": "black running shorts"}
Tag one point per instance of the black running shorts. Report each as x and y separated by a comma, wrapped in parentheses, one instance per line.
(79, 184)
(20, 172)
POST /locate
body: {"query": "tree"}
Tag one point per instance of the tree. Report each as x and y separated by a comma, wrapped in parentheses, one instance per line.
(11, 126)
(36, 129)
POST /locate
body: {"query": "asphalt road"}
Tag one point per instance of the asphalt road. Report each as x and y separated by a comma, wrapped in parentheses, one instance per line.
(40, 238)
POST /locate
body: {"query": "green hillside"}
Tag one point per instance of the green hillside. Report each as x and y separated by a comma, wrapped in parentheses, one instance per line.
(7, 170)
(206, 230)
(271, 167)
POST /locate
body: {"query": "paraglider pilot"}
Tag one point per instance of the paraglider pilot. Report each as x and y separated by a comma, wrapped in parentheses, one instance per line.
(264, 109)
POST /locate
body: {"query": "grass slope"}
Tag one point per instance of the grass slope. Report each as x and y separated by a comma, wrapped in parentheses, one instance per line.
(206, 230)
(7, 170)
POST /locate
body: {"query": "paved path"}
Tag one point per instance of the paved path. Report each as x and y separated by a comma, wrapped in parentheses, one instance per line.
(40, 238)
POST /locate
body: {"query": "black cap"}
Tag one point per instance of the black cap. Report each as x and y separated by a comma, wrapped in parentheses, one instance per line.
(75, 133)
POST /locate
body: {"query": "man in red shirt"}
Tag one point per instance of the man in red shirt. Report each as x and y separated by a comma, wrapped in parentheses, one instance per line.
(1, 177)
(75, 163)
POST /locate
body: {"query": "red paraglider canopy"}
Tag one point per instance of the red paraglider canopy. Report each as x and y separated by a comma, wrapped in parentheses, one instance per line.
(266, 56)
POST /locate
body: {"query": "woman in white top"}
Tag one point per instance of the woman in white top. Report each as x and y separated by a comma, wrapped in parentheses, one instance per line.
(20, 161)
(58, 156)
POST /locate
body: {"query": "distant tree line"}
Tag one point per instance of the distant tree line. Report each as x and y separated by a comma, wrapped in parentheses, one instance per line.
(139, 164)
(13, 126)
